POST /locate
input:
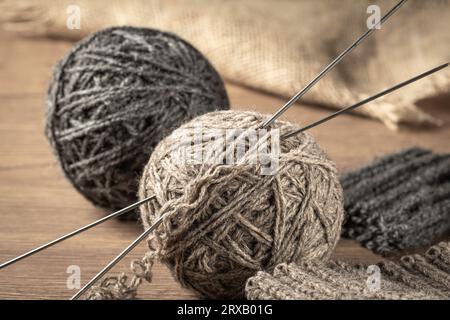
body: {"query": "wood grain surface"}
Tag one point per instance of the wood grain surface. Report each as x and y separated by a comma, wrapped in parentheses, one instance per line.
(37, 203)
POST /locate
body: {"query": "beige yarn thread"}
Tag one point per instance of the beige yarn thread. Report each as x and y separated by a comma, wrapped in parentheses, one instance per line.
(226, 222)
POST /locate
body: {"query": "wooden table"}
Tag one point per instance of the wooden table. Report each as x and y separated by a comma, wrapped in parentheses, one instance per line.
(37, 203)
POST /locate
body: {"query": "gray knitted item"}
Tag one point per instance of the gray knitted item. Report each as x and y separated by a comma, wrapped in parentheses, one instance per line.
(114, 97)
(401, 201)
(413, 277)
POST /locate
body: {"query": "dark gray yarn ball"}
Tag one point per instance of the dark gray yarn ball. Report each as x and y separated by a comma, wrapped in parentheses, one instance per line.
(114, 97)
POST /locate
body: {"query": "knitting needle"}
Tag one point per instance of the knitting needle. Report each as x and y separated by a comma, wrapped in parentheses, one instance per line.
(74, 233)
(161, 218)
(332, 64)
(356, 105)
(264, 125)
(119, 257)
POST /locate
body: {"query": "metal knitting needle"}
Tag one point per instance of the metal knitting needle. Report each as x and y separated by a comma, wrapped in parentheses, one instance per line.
(75, 232)
(119, 257)
(161, 218)
(356, 105)
(330, 66)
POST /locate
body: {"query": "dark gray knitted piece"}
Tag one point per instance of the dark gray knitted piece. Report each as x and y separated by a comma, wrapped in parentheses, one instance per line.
(398, 202)
(114, 97)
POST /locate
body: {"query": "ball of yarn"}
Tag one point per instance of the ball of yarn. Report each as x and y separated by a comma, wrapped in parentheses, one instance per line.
(226, 222)
(114, 97)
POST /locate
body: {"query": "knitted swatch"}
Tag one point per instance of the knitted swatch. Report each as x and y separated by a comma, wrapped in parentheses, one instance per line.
(227, 221)
(114, 97)
(398, 202)
(413, 277)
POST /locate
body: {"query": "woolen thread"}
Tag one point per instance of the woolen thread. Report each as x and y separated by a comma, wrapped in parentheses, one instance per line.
(414, 276)
(399, 202)
(226, 222)
(114, 97)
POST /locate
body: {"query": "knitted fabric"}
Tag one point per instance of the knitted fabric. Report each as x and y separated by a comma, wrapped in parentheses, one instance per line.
(114, 97)
(281, 56)
(401, 201)
(413, 277)
(225, 222)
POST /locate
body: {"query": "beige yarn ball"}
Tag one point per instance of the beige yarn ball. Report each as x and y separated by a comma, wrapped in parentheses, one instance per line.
(229, 221)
